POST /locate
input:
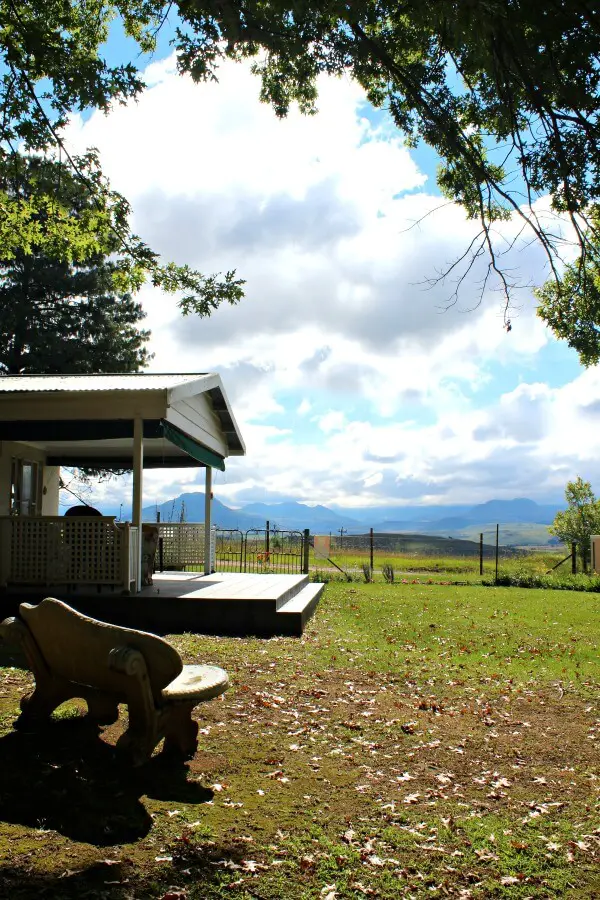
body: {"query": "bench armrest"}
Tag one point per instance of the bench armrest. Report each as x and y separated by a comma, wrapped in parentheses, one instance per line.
(127, 661)
(131, 665)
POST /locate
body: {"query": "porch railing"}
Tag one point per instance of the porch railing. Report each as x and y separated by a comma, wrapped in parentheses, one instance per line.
(181, 545)
(78, 552)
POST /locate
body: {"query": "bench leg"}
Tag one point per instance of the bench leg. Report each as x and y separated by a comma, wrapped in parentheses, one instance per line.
(181, 731)
(102, 708)
(38, 706)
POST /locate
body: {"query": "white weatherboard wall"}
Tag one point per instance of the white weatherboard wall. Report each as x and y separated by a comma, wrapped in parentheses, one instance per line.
(193, 414)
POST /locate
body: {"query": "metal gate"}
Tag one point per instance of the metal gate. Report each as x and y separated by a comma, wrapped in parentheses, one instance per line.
(261, 550)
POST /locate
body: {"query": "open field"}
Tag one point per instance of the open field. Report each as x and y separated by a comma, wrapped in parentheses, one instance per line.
(518, 534)
(419, 741)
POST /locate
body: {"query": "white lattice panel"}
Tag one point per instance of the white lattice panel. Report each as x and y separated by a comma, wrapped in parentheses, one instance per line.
(65, 551)
(183, 543)
(28, 551)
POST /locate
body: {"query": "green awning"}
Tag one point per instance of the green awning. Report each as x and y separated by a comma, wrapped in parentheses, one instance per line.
(192, 447)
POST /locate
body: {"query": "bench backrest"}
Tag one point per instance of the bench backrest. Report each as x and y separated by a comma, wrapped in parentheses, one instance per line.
(77, 647)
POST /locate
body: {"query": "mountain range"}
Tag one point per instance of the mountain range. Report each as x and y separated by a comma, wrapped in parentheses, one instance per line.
(456, 521)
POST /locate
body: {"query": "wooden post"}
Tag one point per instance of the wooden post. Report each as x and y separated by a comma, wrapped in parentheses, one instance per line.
(497, 542)
(138, 488)
(306, 550)
(481, 553)
(207, 519)
(371, 548)
(574, 558)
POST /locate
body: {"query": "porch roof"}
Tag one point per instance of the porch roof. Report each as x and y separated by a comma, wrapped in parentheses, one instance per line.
(87, 420)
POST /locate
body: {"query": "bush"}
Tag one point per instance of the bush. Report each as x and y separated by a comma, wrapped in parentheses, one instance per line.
(525, 579)
(388, 573)
(367, 573)
(326, 577)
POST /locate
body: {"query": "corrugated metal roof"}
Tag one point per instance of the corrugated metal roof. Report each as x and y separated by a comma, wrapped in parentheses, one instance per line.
(137, 382)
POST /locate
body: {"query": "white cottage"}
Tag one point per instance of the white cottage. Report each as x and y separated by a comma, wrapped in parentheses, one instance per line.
(99, 421)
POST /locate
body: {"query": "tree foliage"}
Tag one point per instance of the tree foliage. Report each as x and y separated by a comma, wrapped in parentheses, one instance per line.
(581, 519)
(570, 305)
(59, 315)
(506, 91)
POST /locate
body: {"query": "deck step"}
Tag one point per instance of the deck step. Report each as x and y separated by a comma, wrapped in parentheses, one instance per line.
(304, 603)
(277, 588)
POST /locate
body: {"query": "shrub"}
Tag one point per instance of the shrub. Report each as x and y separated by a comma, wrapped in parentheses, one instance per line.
(559, 582)
(327, 577)
(388, 573)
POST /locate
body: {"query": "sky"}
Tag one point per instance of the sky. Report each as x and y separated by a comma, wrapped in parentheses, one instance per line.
(356, 377)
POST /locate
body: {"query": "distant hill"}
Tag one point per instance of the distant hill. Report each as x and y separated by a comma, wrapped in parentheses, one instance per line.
(293, 515)
(525, 520)
(389, 514)
(519, 510)
(222, 516)
(517, 534)
(421, 544)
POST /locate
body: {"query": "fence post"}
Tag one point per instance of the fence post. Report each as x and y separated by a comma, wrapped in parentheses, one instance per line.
(481, 553)
(497, 542)
(574, 558)
(371, 548)
(305, 550)
(267, 542)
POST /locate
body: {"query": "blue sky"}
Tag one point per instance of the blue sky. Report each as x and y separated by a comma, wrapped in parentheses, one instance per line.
(353, 381)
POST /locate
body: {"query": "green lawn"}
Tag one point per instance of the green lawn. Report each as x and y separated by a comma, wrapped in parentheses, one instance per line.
(419, 741)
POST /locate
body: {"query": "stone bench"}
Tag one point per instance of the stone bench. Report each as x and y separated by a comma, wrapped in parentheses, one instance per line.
(72, 656)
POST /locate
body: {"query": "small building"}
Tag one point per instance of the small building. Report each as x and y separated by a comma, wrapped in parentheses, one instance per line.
(115, 422)
(125, 422)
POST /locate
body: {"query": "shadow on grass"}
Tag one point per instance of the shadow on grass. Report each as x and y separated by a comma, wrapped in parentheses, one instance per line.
(64, 778)
(97, 881)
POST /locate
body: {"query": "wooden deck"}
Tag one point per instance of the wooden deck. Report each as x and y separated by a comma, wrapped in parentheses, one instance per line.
(222, 603)
(226, 586)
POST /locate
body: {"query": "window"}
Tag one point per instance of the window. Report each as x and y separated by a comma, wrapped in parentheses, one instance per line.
(24, 487)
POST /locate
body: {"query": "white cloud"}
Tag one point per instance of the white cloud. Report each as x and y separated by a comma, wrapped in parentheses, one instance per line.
(334, 420)
(352, 378)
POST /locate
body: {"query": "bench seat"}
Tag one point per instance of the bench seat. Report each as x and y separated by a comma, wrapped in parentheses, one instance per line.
(198, 683)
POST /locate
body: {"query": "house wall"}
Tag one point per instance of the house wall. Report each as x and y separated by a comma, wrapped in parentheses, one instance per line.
(50, 490)
(10, 450)
(195, 416)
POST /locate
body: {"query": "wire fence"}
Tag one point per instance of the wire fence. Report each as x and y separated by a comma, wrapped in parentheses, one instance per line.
(373, 555)
(386, 556)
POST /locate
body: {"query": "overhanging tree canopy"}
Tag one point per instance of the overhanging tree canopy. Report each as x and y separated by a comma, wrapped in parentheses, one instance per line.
(61, 316)
(505, 91)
